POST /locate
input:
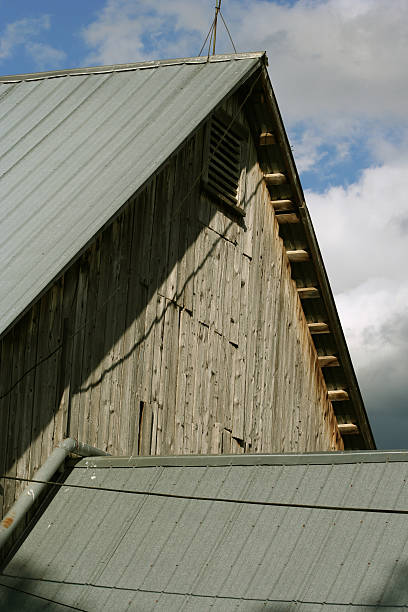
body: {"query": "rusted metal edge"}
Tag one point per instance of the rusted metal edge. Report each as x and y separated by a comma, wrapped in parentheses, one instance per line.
(27, 498)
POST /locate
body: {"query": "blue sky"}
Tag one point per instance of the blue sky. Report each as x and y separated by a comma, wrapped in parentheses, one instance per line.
(339, 69)
(48, 34)
(54, 23)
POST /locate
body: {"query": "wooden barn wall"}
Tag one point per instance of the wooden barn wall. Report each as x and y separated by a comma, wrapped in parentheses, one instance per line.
(178, 331)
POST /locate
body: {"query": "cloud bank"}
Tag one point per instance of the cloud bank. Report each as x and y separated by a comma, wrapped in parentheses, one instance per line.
(362, 232)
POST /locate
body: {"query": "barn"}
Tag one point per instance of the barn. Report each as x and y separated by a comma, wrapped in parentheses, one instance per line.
(162, 288)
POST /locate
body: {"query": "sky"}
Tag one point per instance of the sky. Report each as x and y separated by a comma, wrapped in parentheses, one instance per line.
(339, 70)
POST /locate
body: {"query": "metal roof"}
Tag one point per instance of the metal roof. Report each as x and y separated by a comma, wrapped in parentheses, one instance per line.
(75, 145)
(115, 549)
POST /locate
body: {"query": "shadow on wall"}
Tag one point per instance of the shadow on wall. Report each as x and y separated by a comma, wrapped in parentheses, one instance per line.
(60, 346)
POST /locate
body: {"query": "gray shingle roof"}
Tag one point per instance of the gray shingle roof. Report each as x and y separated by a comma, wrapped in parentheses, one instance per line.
(117, 550)
(76, 144)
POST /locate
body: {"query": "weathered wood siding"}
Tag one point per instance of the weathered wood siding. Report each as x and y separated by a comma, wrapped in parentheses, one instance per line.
(179, 330)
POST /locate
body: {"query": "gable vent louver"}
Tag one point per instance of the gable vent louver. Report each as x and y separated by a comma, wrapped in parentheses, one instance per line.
(224, 165)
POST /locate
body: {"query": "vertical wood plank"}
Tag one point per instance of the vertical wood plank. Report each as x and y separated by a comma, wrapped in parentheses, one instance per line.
(78, 338)
(168, 374)
(25, 417)
(6, 367)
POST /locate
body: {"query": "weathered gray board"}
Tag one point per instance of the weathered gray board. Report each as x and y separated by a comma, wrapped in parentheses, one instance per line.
(178, 331)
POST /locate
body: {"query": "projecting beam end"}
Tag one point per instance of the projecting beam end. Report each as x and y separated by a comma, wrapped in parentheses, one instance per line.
(307, 293)
(328, 361)
(283, 206)
(348, 429)
(318, 328)
(337, 395)
(298, 256)
(275, 178)
(266, 138)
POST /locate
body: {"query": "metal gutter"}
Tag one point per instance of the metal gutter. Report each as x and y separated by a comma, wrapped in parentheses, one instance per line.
(323, 458)
(35, 76)
(20, 508)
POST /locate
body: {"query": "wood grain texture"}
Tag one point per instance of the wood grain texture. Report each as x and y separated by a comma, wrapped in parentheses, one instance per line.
(299, 255)
(308, 293)
(327, 361)
(179, 330)
(283, 206)
(318, 328)
(275, 178)
(338, 395)
(348, 429)
(287, 217)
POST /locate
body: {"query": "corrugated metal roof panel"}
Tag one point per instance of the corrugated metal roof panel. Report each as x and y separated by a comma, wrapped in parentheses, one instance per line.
(114, 549)
(74, 147)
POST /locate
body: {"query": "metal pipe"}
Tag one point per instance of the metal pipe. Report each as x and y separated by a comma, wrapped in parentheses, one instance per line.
(34, 489)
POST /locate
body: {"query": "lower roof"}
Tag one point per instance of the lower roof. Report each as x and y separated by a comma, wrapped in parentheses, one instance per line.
(262, 532)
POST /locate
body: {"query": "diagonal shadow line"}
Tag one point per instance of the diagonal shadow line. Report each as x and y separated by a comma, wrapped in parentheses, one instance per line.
(104, 304)
(175, 212)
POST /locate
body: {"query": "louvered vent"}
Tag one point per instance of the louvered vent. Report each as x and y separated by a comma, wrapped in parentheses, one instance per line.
(225, 162)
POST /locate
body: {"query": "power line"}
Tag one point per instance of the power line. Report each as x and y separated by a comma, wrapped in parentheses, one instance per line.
(14, 588)
(225, 500)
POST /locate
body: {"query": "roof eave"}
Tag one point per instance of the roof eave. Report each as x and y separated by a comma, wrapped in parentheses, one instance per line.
(15, 78)
(325, 289)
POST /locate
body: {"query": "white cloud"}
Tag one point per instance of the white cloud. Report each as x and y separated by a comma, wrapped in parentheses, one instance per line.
(134, 30)
(342, 58)
(22, 33)
(337, 66)
(335, 56)
(19, 32)
(375, 320)
(359, 224)
(334, 63)
(306, 149)
(362, 232)
(45, 55)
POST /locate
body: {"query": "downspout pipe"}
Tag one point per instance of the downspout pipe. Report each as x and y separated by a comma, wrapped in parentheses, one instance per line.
(20, 508)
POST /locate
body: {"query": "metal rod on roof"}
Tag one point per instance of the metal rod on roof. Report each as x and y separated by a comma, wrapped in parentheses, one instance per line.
(20, 508)
(217, 10)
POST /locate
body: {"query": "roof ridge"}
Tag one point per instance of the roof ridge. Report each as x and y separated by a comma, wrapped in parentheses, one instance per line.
(35, 76)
